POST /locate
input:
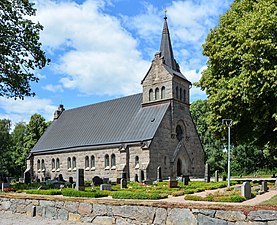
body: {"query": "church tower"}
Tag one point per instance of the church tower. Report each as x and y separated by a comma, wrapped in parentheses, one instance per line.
(164, 81)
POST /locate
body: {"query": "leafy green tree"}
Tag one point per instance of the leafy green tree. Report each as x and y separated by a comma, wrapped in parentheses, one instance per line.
(20, 49)
(241, 75)
(5, 126)
(35, 129)
(18, 153)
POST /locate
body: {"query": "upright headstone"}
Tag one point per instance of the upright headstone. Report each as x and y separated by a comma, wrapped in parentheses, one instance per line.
(185, 179)
(27, 177)
(60, 178)
(159, 174)
(70, 180)
(123, 175)
(207, 173)
(172, 183)
(107, 187)
(276, 183)
(80, 182)
(136, 178)
(246, 190)
(123, 183)
(97, 181)
(216, 176)
(264, 186)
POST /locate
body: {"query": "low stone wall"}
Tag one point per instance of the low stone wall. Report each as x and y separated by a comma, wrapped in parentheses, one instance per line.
(118, 212)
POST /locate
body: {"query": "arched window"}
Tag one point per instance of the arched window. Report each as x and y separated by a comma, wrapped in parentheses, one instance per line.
(181, 94)
(177, 92)
(38, 164)
(113, 161)
(185, 96)
(157, 93)
(179, 133)
(107, 162)
(136, 161)
(57, 163)
(42, 164)
(53, 164)
(150, 95)
(163, 92)
(68, 163)
(92, 161)
(86, 162)
(74, 162)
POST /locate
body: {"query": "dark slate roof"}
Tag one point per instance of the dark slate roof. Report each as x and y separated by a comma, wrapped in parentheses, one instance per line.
(118, 121)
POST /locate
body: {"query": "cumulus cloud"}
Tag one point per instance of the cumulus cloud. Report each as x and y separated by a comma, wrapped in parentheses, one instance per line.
(97, 56)
(21, 110)
(53, 88)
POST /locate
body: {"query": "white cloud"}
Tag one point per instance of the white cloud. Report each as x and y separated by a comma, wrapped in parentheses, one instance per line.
(53, 88)
(98, 55)
(21, 110)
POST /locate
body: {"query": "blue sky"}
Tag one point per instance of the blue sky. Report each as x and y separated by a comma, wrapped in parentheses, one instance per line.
(102, 49)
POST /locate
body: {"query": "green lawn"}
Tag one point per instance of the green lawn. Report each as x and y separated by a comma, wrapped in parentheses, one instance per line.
(272, 201)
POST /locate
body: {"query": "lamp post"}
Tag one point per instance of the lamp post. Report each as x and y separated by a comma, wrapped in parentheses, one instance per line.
(228, 123)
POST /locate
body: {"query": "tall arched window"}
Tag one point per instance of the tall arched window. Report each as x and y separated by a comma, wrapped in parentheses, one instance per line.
(163, 92)
(107, 162)
(53, 164)
(113, 162)
(181, 94)
(86, 162)
(68, 163)
(185, 96)
(136, 161)
(157, 93)
(179, 133)
(92, 161)
(74, 162)
(42, 164)
(150, 95)
(57, 163)
(177, 92)
(38, 164)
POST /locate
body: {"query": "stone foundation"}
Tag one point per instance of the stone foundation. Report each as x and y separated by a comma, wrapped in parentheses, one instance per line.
(99, 211)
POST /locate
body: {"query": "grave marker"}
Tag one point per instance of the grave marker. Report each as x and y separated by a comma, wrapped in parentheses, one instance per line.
(216, 176)
(207, 173)
(159, 174)
(80, 182)
(246, 190)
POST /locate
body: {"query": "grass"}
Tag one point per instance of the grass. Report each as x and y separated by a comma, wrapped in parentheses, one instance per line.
(272, 201)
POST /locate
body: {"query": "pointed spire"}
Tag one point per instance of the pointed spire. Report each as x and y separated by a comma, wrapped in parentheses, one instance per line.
(166, 48)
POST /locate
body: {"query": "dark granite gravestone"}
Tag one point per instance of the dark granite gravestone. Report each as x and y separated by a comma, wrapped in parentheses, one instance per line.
(136, 178)
(159, 174)
(185, 179)
(264, 186)
(97, 181)
(60, 178)
(70, 180)
(124, 175)
(80, 182)
(123, 183)
(246, 190)
(172, 183)
(27, 177)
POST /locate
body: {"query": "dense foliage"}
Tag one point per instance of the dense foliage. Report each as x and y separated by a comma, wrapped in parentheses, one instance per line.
(16, 145)
(20, 49)
(241, 75)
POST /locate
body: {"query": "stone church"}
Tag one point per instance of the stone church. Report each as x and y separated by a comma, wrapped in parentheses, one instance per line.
(133, 135)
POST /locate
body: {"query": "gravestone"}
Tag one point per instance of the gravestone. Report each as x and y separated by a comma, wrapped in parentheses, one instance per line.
(276, 183)
(70, 180)
(159, 174)
(136, 178)
(97, 181)
(172, 183)
(60, 178)
(141, 176)
(207, 173)
(123, 183)
(246, 190)
(123, 175)
(80, 182)
(185, 180)
(216, 176)
(264, 186)
(107, 187)
(21, 180)
(27, 177)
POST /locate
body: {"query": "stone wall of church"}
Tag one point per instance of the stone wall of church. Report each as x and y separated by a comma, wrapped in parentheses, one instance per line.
(99, 169)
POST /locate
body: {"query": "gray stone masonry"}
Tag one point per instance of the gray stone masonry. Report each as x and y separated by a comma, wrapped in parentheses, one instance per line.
(107, 213)
(264, 186)
(246, 190)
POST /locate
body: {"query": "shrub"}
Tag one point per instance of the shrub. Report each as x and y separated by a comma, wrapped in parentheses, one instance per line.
(44, 192)
(90, 194)
(138, 195)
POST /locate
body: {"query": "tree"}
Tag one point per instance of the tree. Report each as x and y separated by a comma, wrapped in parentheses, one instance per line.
(5, 126)
(241, 75)
(18, 154)
(20, 49)
(35, 129)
